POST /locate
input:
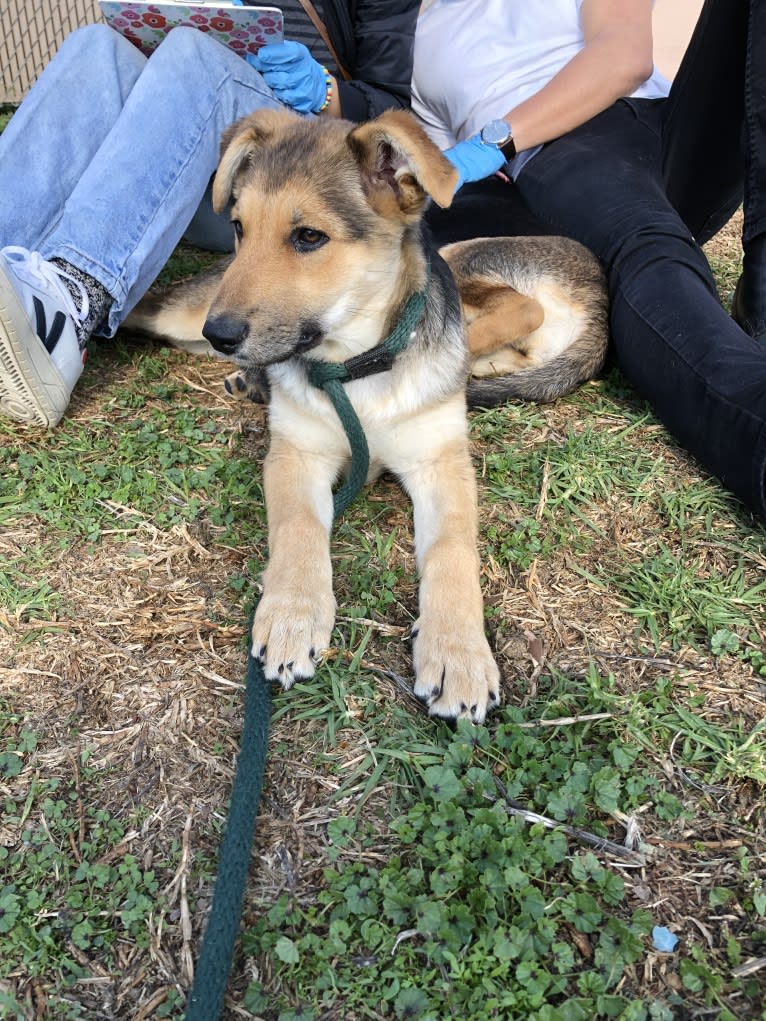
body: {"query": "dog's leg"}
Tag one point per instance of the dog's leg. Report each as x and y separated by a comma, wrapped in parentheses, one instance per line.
(455, 672)
(178, 311)
(295, 615)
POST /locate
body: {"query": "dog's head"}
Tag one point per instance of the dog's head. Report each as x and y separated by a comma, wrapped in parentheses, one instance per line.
(326, 222)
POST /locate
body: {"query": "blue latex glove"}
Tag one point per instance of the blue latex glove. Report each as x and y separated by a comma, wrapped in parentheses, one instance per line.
(292, 74)
(474, 160)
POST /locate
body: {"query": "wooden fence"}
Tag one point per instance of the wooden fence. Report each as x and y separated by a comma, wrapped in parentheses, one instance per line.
(30, 33)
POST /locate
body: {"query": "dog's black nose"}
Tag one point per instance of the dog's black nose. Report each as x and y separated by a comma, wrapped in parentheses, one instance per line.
(225, 332)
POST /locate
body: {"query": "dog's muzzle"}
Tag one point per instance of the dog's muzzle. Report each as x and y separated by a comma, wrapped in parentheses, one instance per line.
(233, 337)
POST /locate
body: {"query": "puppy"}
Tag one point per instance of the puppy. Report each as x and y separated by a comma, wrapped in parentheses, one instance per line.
(535, 310)
(329, 256)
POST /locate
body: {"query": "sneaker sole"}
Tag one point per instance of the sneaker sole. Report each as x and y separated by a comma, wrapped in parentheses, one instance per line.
(32, 389)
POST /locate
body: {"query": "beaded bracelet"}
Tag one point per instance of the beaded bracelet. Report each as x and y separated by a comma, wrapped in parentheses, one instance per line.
(328, 93)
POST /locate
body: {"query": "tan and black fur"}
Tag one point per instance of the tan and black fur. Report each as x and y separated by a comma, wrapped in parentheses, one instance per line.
(536, 316)
(327, 217)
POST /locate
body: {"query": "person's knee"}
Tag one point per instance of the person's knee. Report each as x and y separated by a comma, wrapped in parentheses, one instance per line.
(204, 57)
(94, 42)
(629, 235)
(662, 249)
(190, 46)
(95, 58)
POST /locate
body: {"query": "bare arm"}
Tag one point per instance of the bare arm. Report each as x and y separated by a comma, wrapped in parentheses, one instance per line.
(616, 59)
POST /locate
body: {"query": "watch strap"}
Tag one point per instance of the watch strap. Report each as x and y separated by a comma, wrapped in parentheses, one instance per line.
(508, 149)
(498, 129)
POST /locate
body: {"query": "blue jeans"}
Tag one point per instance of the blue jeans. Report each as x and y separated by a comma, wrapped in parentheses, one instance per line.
(109, 156)
(643, 185)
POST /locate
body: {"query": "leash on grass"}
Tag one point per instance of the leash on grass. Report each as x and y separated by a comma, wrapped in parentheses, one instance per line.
(212, 973)
(211, 977)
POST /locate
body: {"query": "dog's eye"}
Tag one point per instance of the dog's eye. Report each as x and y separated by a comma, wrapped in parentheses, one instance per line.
(306, 239)
(238, 231)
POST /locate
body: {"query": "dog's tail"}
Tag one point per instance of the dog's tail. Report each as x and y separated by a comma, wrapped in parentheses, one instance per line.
(536, 316)
(542, 384)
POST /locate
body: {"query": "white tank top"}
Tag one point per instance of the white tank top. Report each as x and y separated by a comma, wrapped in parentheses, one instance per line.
(477, 59)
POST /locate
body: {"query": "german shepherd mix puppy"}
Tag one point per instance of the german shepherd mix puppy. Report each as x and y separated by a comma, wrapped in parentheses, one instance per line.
(329, 250)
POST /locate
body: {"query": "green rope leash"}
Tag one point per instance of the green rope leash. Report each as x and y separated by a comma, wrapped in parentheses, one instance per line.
(205, 1001)
(360, 452)
(206, 998)
(330, 377)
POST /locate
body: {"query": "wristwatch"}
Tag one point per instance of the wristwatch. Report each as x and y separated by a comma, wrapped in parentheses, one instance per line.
(499, 134)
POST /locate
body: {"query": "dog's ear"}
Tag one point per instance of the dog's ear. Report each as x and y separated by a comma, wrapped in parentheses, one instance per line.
(239, 144)
(400, 165)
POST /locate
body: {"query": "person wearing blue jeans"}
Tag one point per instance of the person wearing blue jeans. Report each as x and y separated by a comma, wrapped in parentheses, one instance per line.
(641, 173)
(108, 158)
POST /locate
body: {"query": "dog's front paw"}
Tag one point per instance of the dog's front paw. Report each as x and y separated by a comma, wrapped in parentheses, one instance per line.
(455, 672)
(248, 385)
(290, 633)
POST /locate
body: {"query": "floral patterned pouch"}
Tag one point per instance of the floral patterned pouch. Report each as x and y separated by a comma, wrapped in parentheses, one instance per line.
(242, 29)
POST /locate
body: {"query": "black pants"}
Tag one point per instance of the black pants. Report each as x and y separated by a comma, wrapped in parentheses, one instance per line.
(643, 185)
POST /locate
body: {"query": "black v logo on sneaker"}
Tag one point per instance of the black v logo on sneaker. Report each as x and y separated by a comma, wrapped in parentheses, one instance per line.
(57, 326)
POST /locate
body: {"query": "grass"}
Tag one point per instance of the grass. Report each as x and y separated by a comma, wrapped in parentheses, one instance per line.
(70, 892)
(395, 874)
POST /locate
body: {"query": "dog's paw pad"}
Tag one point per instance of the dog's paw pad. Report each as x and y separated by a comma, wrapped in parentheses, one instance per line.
(287, 630)
(236, 386)
(456, 675)
(248, 385)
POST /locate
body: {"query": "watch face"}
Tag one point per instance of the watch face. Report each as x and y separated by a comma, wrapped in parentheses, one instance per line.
(496, 132)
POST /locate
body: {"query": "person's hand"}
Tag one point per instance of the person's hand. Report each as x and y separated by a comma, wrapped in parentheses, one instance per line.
(295, 78)
(474, 160)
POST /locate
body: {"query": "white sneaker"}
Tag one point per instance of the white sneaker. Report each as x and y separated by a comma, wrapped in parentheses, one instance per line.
(40, 357)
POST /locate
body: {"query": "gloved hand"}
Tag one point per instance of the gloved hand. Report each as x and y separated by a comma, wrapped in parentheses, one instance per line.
(293, 75)
(474, 160)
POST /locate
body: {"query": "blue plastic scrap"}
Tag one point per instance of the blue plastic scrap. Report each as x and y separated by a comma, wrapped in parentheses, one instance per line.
(664, 940)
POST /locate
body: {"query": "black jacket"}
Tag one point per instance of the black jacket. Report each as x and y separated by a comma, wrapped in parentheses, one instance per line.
(374, 40)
